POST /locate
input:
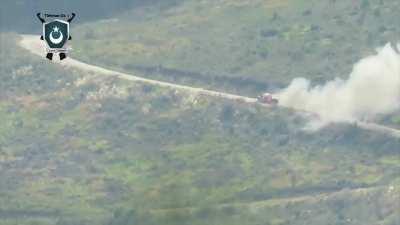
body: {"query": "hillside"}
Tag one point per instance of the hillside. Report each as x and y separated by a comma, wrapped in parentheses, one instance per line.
(244, 47)
(81, 148)
(78, 148)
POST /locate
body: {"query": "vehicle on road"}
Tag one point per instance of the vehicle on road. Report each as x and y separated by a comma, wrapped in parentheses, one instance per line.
(267, 98)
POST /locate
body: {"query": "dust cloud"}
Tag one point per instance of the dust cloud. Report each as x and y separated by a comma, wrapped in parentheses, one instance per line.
(372, 89)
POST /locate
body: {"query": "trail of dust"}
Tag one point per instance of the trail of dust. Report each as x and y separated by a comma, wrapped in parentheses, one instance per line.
(372, 89)
(34, 45)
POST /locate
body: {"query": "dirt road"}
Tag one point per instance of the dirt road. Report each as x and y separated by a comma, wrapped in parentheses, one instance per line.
(33, 44)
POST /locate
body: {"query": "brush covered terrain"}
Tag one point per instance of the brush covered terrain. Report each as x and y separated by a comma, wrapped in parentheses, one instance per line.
(77, 148)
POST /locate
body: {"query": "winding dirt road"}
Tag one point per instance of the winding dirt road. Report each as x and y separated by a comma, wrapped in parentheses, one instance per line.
(33, 44)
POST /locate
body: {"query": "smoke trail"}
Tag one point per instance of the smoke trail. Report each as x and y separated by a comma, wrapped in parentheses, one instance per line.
(373, 88)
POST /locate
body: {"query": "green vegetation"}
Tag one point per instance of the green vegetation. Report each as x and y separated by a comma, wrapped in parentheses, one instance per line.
(20, 15)
(244, 47)
(77, 148)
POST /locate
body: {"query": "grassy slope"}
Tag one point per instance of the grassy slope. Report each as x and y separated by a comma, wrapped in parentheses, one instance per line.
(269, 42)
(244, 47)
(76, 149)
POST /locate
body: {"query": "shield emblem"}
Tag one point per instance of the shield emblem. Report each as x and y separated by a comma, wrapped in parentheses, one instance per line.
(56, 33)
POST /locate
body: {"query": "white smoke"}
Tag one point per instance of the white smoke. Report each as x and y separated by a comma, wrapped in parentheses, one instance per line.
(373, 88)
